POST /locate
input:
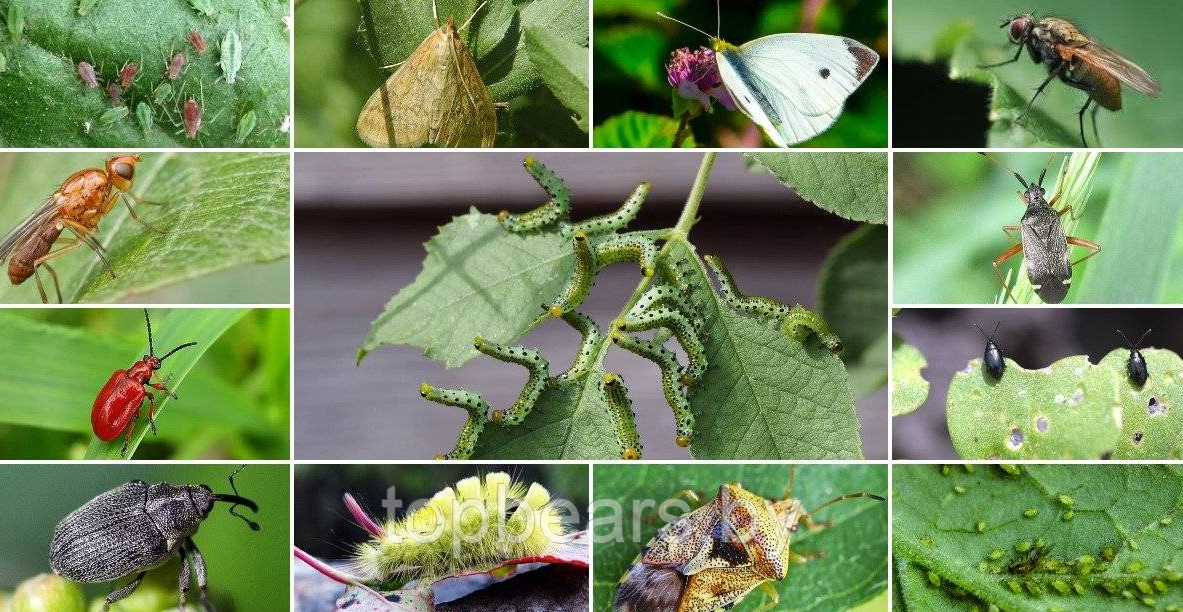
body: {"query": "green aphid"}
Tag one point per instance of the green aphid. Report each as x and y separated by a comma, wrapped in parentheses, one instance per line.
(934, 579)
(926, 540)
(1108, 553)
(1015, 586)
(993, 608)
(1160, 586)
(1149, 601)
(1111, 587)
(981, 526)
(970, 468)
(1033, 588)
(983, 567)
(1061, 586)
(84, 6)
(1128, 594)
(231, 56)
(144, 116)
(1166, 520)
(1039, 543)
(1031, 513)
(960, 490)
(1084, 565)
(1145, 587)
(1172, 575)
(1023, 546)
(3, 63)
(1055, 609)
(1067, 501)
(246, 125)
(113, 114)
(1067, 516)
(162, 93)
(1135, 566)
(996, 554)
(1010, 469)
(1133, 544)
(16, 20)
(205, 7)
(1078, 588)
(945, 470)
(958, 593)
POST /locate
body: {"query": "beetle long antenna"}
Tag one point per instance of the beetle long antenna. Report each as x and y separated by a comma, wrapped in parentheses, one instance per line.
(844, 498)
(983, 332)
(237, 500)
(994, 332)
(185, 345)
(1123, 337)
(151, 351)
(661, 14)
(1022, 181)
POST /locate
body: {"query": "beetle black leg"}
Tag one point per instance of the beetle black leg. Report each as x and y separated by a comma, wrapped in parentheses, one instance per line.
(199, 569)
(183, 580)
(122, 591)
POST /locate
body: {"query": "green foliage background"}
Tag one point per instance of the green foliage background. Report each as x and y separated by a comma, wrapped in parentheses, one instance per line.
(965, 34)
(950, 208)
(232, 404)
(632, 46)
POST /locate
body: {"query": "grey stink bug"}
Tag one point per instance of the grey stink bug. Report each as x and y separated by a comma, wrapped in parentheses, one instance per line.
(711, 557)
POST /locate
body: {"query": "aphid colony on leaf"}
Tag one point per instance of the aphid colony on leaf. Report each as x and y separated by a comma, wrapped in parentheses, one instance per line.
(595, 244)
(713, 556)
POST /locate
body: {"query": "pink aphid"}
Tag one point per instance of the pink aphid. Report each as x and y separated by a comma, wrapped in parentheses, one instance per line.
(191, 115)
(175, 66)
(127, 74)
(197, 40)
(86, 73)
(115, 93)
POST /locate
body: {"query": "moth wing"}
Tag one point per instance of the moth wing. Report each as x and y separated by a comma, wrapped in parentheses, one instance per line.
(48, 210)
(467, 118)
(794, 85)
(1119, 66)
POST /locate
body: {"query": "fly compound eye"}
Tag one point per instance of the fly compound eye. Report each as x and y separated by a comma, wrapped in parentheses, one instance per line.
(1018, 28)
(124, 170)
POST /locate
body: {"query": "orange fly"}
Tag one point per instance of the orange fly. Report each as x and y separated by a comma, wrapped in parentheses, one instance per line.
(78, 205)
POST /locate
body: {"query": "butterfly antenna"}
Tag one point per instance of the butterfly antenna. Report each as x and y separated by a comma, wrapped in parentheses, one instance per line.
(718, 20)
(1022, 181)
(661, 14)
(473, 15)
(435, 14)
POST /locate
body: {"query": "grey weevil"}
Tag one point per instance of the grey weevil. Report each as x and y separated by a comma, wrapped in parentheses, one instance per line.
(136, 527)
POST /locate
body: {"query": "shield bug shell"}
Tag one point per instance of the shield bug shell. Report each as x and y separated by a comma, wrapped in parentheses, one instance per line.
(711, 557)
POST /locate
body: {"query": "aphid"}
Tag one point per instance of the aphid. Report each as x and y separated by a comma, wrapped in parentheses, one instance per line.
(1043, 244)
(144, 116)
(115, 93)
(591, 337)
(992, 360)
(624, 420)
(628, 247)
(136, 527)
(191, 116)
(3, 63)
(671, 382)
(127, 74)
(246, 125)
(1027, 560)
(175, 65)
(117, 406)
(231, 56)
(1136, 366)
(676, 322)
(16, 20)
(615, 220)
(533, 361)
(205, 7)
(556, 210)
(580, 282)
(197, 40)
(513, 520)
(477, 409)
(86, 73)
(162, 93)
(711, 557)
(84, 6)
(77, 205)
(1079, 61)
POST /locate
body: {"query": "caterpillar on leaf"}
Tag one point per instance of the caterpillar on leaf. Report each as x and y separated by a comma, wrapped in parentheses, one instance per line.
(667, 295)
(557, 209)
(477, 409)
(796, 320)
(591, 336)
(613, 221)
(624, 420)
(533, 361)
(671, 381)
(580, 282)
(628, 247)
(468, 527)
(683, 329)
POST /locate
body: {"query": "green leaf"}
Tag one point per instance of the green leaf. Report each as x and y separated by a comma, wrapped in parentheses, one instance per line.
(637, 51)
(1142, 217)
(563, 66)
(477, 279)
(852, 570)
(852, 297)
(47, 105)
(221, 211)
(1149, 430)
(850, 185)
(203, 326)
(634, 129)
(949, 522)
(766, 396)
(909, 389)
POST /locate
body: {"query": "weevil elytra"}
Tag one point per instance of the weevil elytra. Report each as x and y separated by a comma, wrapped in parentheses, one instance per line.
(1043, 244)
(713, 556)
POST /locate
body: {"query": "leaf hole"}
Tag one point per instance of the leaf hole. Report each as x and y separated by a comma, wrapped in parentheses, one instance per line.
(1041, 424)
(1015, 442)
(1077, 397)
(1155, 407)
(1137, 438)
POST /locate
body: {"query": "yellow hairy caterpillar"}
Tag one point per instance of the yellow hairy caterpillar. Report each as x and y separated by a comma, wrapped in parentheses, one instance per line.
(533, 361)
(613, 221)
(590, 332)
(663, 316)
(624, 420)
(471, 526)
(671, 381)
(477, 409)
(628, 247)
(796, 320)
(580, 282)
(557, 209)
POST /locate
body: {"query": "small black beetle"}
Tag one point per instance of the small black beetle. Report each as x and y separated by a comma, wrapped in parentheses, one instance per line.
(1136, 366)
(136, 527)
(992, 359)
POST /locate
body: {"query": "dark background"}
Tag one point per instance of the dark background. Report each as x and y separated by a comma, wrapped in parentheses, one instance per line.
(1033, 337)
(362, 219)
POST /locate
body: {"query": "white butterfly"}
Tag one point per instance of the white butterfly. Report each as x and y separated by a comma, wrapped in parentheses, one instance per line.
(792, 85)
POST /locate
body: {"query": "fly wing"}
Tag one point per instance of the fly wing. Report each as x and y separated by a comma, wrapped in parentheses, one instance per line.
(1122, 69)
(16, 237)
(799, 81)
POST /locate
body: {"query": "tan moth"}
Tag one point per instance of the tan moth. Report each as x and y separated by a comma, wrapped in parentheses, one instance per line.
(436, 97)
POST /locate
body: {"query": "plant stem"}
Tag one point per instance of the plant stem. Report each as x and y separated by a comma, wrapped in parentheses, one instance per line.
(690, 210)
(683, 131)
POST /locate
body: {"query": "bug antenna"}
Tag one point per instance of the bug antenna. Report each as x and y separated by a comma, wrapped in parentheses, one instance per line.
(237, 500)
(168, 354)
(151, 351)
(718, 19)
(473, 15)
(661, 14)
(981, 332)
(994, 331)
(1142, 338)
(844, 498)
(1046, 164)
(1022, 181)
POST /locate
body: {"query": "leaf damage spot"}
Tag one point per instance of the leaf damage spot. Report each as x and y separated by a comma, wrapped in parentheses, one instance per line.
(1137, 438)
(1015, 441)
(1041, 424)
(1077, 397)
(1155, 407)
(1078, 372)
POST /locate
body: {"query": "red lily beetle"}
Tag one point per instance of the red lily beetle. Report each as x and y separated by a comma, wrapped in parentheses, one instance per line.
(118, 404)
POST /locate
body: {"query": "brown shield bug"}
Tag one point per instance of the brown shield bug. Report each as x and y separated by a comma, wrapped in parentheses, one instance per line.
(1043, 244)
(711, 557)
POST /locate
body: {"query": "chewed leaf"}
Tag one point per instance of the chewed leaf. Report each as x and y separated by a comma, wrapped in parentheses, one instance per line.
(1065, 410)
(1152, 415)
(850, 185)
(909, 389)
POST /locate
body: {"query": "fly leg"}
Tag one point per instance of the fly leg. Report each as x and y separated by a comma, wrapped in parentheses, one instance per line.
(1096, 134)
(199, 569)
(998, 261)
(122, 591)
(1080, 120)
(1012, 60)
(86, 236)
(1055, 72)
(127, 195)
(44, 261)
(1093, 248)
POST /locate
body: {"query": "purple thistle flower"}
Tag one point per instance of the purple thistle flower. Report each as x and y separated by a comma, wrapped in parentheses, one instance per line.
(695, 74)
